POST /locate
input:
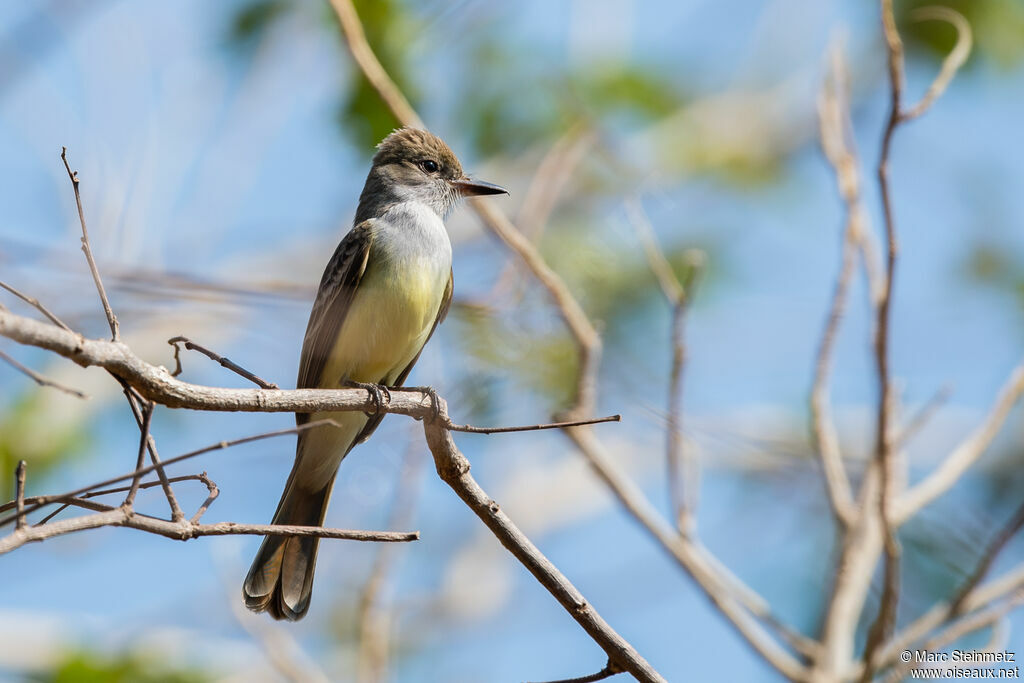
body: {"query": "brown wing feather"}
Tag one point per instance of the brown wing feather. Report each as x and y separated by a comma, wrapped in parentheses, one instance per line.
(442, 313)
(333, 300)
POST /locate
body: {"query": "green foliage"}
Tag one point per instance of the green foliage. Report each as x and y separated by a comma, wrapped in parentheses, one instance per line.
(998, 27)
(535, 104)
(87, 667)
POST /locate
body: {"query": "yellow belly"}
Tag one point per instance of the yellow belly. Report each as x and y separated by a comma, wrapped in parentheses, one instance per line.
(387, 324)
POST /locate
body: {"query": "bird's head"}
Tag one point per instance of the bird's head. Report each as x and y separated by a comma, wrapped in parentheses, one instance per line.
(415, 165)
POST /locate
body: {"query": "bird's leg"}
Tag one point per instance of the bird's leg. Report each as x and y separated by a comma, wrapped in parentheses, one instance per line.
(435, 401)
(376, 391)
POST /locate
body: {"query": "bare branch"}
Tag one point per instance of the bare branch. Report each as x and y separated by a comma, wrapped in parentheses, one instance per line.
(224, 362)
(964, 455)
(156, 383)
(39, 379)
(985, 563)
(608, 671)
(40, 501)
(956, 58)
(370, 66)
(453, 468)
(135, 402)
(886, 617)
(742, 607)
(983, 618)
(147, 416)
(682, 472)
(980, 597)
(834, 124)
(19, 495)
(32, 301)
(531, 428)
(213, 493)
(111, 318)
(184, 530)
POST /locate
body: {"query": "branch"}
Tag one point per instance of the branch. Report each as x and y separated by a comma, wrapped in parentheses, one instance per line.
(224, 362)
(453, 468)
(32, 301)
(184, 530)
(156, 383)
(451, 426)
(956, 58)
(370, 66)
(964, 455)
(608, 671)
(19, 495)
(115, 330)
(834, 124)
(681, 472)
(736, 601)
(40, 501)
(39, 379)
(980, 597)
(135, 402)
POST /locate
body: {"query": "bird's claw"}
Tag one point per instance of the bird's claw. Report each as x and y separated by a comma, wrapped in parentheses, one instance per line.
(435, 400)
(376, 392)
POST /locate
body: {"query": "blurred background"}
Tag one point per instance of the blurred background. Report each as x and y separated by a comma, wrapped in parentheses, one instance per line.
(222, 148)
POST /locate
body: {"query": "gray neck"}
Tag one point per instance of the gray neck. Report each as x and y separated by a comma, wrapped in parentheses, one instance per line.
(381, 192)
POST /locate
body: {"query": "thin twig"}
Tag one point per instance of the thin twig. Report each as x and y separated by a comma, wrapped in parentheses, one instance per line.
(980, 598)
(32, 301)
(147, 416)
(682, 473)
(956, 58)
(958, 629)
(225, 362)
(135, 402)
(40, 501)
(608, 671)
(531, 428)
(883, 623)
(362, 53)
(212, 493)
(965, 454)
(39, 379)
(111, 318)
(985, 563)
(19, 494)
(833, 119)
(184, 530)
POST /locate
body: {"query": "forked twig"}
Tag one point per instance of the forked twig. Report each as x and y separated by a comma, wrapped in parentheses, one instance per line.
(225, 362)
(115, 330)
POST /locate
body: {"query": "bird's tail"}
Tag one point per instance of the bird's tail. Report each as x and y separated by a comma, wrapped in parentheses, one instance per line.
(280, 580)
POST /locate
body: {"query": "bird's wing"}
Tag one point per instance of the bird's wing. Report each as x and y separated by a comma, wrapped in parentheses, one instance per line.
(337, 289)
(442, 313)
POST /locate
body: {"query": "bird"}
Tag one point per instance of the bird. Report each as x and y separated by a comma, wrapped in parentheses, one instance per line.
(383, 293)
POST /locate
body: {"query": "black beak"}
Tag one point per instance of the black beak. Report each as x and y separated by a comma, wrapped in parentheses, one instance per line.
(475, 188)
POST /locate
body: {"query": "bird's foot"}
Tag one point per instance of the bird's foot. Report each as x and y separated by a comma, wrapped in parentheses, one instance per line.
(376, 391)
(435, 400)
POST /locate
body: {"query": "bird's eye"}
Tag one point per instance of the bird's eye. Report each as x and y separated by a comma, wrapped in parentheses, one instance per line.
(430, 166)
